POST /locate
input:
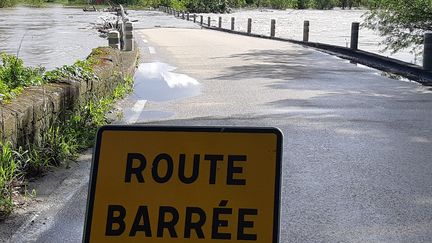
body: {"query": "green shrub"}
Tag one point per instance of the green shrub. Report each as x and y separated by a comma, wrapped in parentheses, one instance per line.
(7, 3)
(14, 76)
(36, 3)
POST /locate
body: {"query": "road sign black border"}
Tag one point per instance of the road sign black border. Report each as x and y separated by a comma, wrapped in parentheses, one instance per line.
(219, 129)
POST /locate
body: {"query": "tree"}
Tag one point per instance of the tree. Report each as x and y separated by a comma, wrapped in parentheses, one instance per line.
(7, 3)
(322, 4)
(402, 23)
(350, 3)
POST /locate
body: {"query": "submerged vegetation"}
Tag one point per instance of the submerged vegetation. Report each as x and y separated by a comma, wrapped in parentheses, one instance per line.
(63, 140)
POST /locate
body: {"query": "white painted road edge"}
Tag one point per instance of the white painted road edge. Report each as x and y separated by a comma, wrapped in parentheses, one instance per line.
(137, 109)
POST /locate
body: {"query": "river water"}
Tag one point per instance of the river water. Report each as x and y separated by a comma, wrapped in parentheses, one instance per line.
(51, 36)
(326, 26)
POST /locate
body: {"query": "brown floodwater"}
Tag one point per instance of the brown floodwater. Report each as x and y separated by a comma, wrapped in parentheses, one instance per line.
(51, 36)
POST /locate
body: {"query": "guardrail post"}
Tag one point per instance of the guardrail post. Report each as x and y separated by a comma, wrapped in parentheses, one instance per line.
(208, 21)
(273, 28)
(128, 36)
(220, 23)
(194, 18)
(427, 51)
(354, 35)
(201, 20)
(232, 23)
(249, 27)
(114, 39)
(306, 31)
(187, 16)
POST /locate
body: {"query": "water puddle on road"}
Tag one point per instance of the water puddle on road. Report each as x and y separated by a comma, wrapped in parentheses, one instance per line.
(156, 81)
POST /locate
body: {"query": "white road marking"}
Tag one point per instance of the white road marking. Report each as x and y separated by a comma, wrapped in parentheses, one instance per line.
(152, 50)
(137, 109)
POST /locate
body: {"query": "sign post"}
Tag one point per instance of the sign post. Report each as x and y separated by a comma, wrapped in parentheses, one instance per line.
(184, 184)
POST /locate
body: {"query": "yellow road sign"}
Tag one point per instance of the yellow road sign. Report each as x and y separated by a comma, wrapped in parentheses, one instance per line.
(184, 184)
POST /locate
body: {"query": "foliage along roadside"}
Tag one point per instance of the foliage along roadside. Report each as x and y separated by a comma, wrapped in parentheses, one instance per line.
(63, 140)
(14, 76)
(402, 23)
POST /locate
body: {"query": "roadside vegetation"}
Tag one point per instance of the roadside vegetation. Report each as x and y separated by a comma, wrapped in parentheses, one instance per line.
(402, 23)
(7, 3)
(63, 140)
(14, 76)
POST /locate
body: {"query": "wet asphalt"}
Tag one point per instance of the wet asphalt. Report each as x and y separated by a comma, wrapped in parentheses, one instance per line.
(357, 154)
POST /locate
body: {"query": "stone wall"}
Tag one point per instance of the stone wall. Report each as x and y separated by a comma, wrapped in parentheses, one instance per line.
(32, 112)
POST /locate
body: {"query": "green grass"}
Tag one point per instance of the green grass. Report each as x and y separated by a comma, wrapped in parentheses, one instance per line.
(10, 174)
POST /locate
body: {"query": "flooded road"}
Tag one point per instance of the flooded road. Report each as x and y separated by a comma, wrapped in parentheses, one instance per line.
(51, 36)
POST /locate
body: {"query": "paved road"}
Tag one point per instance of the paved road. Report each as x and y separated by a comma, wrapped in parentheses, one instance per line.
(357, 164)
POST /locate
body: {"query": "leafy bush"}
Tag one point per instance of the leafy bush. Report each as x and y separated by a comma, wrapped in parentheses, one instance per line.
(36, 3)
(7, 3)
(14, 76)
(402, 23)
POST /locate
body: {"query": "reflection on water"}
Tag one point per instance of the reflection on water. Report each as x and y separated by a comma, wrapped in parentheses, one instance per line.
(156, 81)
(51, 36)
